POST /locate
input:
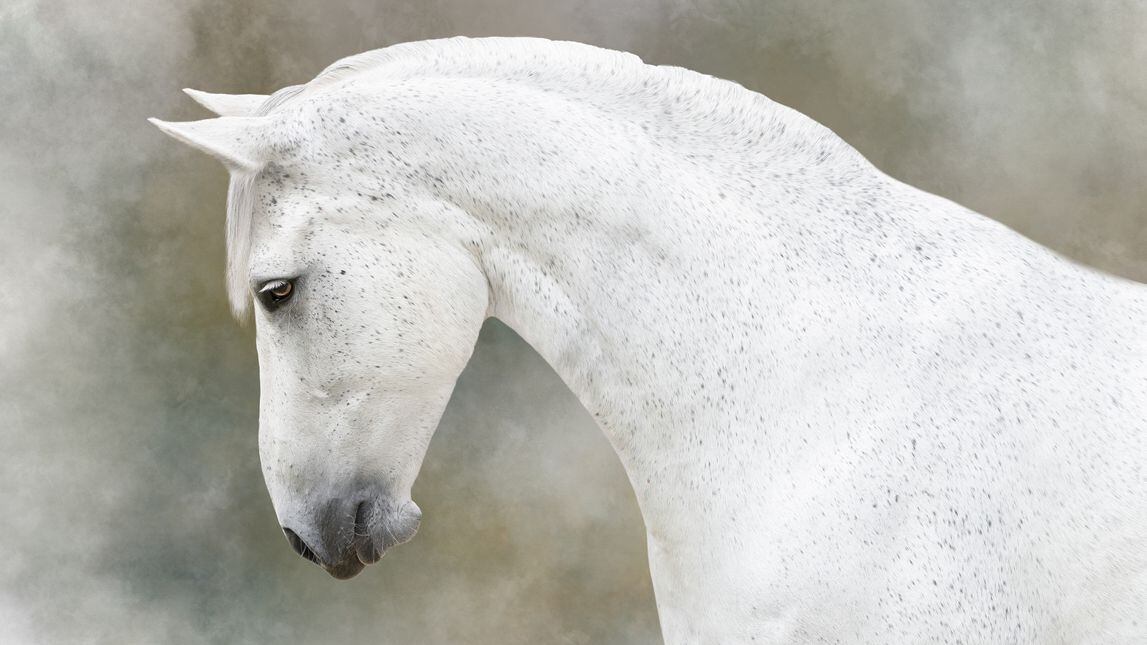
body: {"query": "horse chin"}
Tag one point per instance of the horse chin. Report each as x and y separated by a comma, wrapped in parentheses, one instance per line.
(406, 522)
(397, 527)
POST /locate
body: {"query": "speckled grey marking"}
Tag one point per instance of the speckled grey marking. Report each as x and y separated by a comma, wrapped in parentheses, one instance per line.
(851, 411)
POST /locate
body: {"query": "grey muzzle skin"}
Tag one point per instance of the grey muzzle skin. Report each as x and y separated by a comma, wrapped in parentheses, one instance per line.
(354, 531)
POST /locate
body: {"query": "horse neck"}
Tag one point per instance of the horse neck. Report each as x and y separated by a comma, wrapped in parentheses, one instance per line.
(641, 277)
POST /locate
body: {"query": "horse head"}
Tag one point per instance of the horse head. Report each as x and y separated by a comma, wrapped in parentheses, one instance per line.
(367, 304)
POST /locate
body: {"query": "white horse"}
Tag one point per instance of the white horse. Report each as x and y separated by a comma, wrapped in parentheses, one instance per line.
(851, 411)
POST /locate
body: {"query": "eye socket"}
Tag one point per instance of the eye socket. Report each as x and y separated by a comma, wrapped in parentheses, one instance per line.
(275, 293)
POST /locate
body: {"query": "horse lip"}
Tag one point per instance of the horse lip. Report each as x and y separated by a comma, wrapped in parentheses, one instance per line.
(345, 570)
(371, 539)
(361, 553)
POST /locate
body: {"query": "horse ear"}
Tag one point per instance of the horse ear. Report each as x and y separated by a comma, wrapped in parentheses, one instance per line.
(238, 141)
(227, 104)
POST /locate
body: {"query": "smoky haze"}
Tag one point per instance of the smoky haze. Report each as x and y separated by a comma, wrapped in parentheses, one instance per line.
(132, 502)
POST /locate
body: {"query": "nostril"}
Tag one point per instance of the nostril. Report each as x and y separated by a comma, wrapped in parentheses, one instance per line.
(299, 546)
(360, 528)
(364, 546)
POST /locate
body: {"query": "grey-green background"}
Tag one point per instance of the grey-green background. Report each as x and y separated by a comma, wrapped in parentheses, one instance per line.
(132, 509)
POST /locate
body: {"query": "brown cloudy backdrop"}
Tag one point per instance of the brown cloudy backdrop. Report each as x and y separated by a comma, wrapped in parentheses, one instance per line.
(132, 509)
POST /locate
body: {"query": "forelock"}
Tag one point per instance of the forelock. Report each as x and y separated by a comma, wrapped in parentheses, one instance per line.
(240, 218)
(240, 215)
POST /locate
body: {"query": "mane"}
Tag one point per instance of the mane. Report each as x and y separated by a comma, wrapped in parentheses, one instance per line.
(704, 116)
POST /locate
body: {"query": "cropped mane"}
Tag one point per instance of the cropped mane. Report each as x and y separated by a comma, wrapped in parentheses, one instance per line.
(703, 116)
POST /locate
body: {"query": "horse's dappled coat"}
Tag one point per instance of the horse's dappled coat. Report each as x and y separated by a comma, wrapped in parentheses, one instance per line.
(851, 411)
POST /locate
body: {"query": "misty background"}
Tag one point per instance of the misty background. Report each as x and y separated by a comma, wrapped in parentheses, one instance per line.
(132, 508)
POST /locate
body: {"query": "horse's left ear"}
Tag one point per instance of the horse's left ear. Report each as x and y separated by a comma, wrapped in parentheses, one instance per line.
(227, 104)
(240, 142)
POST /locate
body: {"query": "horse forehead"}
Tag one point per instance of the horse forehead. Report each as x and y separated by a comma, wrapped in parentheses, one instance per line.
(279, 208)
(294, 221)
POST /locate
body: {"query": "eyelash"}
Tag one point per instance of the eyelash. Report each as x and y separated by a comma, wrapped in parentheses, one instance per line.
(267, 296)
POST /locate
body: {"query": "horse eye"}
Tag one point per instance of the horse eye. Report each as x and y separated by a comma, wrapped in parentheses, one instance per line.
(274, 293)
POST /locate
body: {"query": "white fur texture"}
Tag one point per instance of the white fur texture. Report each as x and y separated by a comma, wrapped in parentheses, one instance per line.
(851, 411)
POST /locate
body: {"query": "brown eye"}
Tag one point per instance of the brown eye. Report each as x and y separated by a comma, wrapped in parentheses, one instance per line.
(274, 293)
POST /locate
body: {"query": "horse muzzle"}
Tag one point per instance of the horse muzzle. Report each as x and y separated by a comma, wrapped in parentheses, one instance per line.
(347, 534)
